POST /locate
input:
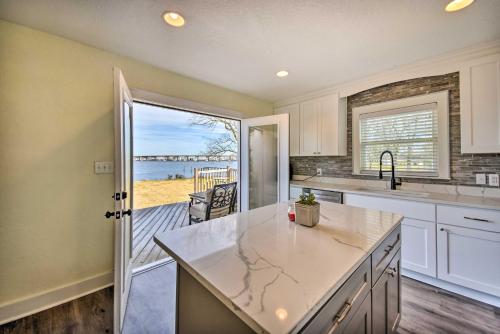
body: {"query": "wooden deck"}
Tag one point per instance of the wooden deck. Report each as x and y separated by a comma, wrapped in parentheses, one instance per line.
(149, 221)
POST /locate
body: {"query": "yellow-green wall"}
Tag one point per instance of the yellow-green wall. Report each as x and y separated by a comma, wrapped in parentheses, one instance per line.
(56, 119)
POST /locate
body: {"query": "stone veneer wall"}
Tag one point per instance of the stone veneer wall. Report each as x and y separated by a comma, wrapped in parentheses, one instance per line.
(463, 166)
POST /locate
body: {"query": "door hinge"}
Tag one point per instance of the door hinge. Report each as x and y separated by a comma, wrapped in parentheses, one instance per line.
(119, 196)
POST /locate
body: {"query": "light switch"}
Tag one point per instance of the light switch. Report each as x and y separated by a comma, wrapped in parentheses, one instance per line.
(319, 171)
(103, 167)
(493, 180)
(480, 178)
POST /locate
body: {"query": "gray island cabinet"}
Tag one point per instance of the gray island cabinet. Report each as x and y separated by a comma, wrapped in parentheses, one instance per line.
(257, 272)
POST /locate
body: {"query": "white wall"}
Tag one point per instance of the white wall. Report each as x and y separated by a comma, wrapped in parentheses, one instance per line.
(56, 119)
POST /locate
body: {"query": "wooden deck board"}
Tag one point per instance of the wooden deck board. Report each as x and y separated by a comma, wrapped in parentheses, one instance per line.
(149, 221)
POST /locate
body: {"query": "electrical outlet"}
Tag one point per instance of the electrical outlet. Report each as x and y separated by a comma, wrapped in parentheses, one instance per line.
(493, 180)
(319, 171)
(480, 178)
(103, 167)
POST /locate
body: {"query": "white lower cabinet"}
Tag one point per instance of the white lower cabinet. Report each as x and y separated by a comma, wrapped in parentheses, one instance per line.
(295, 192)
(419, 246)
(469, 257)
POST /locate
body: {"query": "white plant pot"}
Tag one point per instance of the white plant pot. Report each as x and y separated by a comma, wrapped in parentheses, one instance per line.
(307, 215)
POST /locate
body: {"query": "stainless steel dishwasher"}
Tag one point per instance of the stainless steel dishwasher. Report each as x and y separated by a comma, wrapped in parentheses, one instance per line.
(325, 195)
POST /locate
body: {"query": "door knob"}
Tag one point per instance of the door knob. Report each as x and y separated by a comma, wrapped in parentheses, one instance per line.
(128, 212)
(109, 214)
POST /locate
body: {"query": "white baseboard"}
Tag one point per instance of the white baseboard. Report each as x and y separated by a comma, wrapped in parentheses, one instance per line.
(459, 290)
(39, 302)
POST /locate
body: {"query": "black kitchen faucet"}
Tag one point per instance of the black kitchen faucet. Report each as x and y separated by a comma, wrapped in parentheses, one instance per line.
(380, 172)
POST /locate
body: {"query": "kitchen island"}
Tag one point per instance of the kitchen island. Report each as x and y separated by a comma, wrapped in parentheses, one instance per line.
(257, 272)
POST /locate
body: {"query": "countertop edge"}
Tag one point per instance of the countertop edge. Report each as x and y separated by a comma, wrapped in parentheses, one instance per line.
(378, 193)
(308, 316)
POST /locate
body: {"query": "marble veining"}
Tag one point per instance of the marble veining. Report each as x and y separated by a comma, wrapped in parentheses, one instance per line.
(274, 274)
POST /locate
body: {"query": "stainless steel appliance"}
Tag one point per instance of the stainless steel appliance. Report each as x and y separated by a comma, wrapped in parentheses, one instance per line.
(326, 195)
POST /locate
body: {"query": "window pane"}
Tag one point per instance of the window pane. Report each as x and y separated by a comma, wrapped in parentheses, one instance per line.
(410, 135)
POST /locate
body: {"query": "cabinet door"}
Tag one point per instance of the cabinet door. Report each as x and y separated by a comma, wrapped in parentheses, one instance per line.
(309, 114)
(418, 248)
(469, 257)
(294, 127)
(328, 143)
(386, 298)
(480, 105)
(361, 322)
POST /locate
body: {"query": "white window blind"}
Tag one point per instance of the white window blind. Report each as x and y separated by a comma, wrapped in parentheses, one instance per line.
(410, 133)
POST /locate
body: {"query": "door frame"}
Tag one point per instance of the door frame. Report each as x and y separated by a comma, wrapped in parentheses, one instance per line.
(143, 96)
(122, 277)
(282, 121)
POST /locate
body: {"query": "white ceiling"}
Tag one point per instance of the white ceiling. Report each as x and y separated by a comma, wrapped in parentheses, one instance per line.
(242, 44)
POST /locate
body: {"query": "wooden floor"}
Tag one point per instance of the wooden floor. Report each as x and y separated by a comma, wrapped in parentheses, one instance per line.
(151, 309)
(149, 221)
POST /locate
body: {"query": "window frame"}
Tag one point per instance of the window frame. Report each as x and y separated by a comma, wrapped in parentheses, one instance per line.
(401, 106)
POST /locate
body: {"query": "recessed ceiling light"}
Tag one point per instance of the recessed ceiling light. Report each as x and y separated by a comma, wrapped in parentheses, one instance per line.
(282, 74)
(455, 5)
(174, 19)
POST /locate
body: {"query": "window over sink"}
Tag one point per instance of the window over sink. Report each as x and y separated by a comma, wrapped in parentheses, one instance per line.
(414, 129)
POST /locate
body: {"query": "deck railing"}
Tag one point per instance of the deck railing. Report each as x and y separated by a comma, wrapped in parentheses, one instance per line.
(207, 177)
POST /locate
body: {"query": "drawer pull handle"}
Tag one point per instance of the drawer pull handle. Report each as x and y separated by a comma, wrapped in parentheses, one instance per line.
(479, 219)
(391, 271)
(344, 311)
(387, 252)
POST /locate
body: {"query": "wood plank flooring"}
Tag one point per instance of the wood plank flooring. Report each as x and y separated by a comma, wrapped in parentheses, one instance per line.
(149, 221)
(151, 309)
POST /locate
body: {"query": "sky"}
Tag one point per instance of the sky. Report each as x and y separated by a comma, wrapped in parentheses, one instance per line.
(163, 131)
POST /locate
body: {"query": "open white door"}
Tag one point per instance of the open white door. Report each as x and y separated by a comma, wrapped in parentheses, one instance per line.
(264, 161)
(123, 197)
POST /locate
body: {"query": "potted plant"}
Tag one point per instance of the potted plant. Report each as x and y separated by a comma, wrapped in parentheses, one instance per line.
(307, 210)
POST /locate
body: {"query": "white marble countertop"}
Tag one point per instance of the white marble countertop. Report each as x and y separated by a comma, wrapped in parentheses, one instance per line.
(274, 274)
(420, 196)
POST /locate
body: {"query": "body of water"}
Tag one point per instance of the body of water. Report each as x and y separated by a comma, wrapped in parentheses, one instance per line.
(160, 170)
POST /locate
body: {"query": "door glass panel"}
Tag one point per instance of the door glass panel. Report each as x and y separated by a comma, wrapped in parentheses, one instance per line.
(263, 165)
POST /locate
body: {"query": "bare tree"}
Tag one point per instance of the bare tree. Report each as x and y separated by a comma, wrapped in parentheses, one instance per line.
(225, 143)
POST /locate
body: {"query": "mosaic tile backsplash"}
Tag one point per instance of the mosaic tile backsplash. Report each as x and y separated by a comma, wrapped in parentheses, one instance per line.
(463, 166)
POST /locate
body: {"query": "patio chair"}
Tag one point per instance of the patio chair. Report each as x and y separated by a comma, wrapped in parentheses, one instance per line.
(219, 202)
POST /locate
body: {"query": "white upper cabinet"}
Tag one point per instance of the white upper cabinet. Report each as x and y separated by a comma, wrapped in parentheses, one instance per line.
(318, 127)
(480, 105)
(310, 130)
(294, 141)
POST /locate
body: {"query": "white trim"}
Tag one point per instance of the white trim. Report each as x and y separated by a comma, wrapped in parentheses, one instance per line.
(443, 110)
(442, 64)
(459, 290)
(281, 121)
(42, 301)
(151, 266)
(178, 103)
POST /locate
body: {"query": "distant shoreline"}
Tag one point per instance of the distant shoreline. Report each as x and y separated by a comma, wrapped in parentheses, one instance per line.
(186, 157)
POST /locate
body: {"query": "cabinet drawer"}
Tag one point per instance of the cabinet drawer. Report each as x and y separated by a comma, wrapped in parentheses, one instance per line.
(338, 311)
(482, 219)
(382, 256)
(409, 209)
